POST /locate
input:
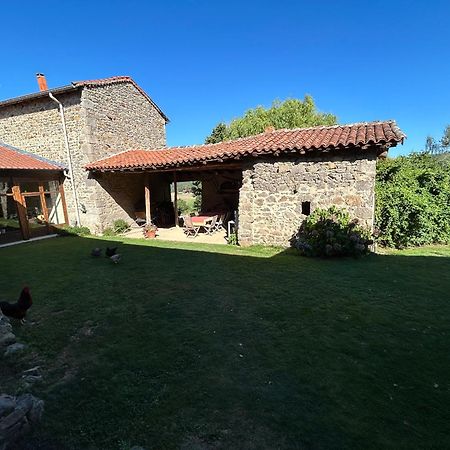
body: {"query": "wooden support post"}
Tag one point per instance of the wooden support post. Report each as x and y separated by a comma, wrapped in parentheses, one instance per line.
(44, 206)
(64, 204)
(175, 198)
(21, 211)
(148, 212)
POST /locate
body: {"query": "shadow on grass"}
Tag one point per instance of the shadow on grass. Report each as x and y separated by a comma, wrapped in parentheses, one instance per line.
(201, 346)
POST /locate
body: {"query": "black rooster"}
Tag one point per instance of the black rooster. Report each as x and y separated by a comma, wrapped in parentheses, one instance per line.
(110, 252)
(96, 252)
(18, 310)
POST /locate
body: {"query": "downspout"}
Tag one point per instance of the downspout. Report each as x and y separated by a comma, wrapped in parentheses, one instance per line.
(69, 156)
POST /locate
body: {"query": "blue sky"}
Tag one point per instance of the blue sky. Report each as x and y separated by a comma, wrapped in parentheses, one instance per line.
(206, 61)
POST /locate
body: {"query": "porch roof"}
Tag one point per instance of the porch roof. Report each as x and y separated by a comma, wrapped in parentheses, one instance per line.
(358, 136)
(12, 158)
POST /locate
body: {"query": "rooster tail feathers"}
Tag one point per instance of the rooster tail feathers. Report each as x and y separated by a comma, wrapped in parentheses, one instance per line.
(25, 296)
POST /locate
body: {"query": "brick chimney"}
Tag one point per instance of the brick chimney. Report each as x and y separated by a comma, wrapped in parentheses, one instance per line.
(42, 82)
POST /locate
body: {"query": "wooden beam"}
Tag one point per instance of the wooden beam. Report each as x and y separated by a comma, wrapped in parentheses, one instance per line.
(192, 168)
(21, 211)
(44, 206)
(64, 204)
(31, 175)
(148, 212)
(175, 200)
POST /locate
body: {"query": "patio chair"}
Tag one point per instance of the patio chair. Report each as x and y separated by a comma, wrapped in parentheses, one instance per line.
(210, 225)
(220, 222)
(223, 220)
(189, 228)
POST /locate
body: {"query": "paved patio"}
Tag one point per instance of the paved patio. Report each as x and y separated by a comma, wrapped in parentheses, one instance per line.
(177, 234)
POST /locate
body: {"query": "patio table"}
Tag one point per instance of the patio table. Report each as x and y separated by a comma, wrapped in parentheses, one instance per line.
(200, 220)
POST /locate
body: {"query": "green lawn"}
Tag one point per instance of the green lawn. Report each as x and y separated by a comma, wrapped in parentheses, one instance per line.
(214, 347)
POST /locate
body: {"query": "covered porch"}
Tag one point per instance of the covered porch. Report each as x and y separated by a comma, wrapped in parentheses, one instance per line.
(32, 199)
(153, 197)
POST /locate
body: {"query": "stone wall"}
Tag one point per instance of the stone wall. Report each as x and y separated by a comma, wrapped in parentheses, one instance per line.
(35, 126)
(272, 193)
(117, 117)
(101, 121)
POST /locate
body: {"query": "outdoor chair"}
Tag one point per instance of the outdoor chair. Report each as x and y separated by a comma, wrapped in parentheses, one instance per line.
(220, 222)
(223, 221)
(189, 228)
(210, 225)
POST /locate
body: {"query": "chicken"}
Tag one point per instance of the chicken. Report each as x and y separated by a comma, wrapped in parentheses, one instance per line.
(18, 310)
(115, 258)
(96, 252)
(110, 251)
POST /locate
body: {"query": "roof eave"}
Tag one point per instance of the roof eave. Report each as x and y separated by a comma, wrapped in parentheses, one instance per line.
(380, 147)
(37, 95)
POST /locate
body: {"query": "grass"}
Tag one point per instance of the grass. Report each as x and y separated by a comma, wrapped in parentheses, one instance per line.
(199, 346)
(9, 223)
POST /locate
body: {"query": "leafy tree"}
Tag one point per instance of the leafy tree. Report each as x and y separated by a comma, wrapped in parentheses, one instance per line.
(445, 141)
(196, 189)
(413, 200)
(437, 147)
(218, 134)
(291, 113)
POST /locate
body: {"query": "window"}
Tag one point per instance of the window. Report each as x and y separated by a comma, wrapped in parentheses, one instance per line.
(306, 208)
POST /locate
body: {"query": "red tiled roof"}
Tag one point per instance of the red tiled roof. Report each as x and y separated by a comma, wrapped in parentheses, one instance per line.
(12, 158)
(103, 81)
(300, 140)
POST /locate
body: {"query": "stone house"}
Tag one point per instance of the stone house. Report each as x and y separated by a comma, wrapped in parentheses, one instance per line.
(102, 117)
(273, 180)
(111, 138)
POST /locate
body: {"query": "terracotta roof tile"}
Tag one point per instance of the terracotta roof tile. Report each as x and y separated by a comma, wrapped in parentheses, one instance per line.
(12, 158)
(299, 140)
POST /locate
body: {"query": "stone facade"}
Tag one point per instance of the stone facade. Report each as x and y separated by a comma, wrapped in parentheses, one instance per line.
(101, 121)
(272, 193)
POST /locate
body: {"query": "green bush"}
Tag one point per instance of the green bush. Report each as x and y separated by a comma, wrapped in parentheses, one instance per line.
(109, 232)
(68, 230)
(232, 239)
(413, 201)
(330, 233)
(120, 226)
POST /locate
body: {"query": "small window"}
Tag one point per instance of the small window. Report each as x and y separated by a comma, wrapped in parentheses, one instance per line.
(306, 208)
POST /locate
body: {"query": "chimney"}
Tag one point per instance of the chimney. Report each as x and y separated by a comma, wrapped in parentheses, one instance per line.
(42, 82)
(269, 129)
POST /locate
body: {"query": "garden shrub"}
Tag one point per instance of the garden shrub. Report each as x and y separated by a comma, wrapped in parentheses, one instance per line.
(120, 226)
(331, 233)
(109, 231)
(412, 201)
(232, 239)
